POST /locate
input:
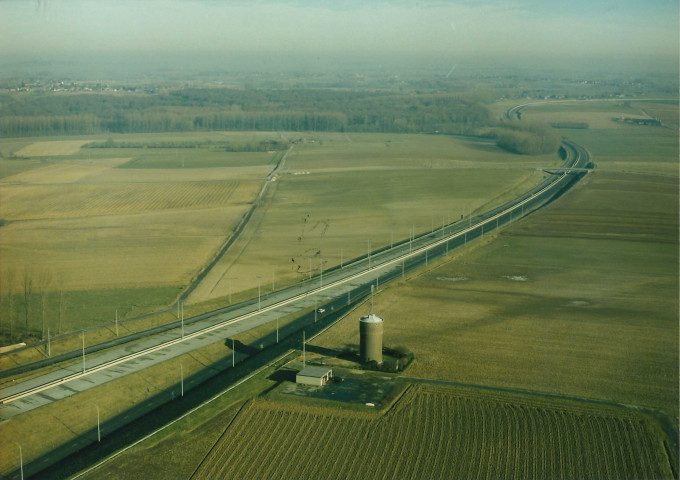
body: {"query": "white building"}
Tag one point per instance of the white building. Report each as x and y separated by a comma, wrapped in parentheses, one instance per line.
(311, 375)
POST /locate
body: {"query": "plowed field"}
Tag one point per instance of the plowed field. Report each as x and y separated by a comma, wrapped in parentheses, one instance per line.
(438, 432)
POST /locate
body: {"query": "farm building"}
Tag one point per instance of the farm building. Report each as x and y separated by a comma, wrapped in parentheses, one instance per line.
(314, 375)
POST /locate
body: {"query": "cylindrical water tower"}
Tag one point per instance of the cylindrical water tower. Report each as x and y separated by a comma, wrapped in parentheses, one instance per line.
(370, 338)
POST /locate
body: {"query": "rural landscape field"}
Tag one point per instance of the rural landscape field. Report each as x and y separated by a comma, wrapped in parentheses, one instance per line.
(339, 194)
(568, 316)
(586, 289)
(436, 433)
(95, 230)
(126, 229)
(339, 240)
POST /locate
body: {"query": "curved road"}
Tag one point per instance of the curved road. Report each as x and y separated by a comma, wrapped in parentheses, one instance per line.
(332, 289)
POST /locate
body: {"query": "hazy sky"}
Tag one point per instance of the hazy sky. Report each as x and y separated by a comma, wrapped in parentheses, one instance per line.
(623, 28)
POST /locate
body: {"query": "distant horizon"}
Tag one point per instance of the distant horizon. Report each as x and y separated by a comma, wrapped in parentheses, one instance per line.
(602, 35)
(134, 66)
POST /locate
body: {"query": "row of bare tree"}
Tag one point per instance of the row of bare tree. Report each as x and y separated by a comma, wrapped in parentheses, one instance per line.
(26, 293)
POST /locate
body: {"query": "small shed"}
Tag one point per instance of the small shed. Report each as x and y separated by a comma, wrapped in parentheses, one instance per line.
(311, 375)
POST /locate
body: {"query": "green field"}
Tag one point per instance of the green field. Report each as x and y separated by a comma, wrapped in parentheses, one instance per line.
(107, 219)
(618, 146)
(84, 223)
(338, 192)
(578, 299)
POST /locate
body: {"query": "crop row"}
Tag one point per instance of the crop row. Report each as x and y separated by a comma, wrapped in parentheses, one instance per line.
(58, 201)
(436, 435)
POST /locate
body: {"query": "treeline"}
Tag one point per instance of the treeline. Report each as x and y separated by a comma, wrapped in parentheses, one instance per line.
(43, 125)
(228, 109)
(261, 146)
(317, 110)
(573, 125)
(526, 138)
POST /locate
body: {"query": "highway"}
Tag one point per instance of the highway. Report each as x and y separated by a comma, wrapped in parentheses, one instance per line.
(213, 326)
(332, 289)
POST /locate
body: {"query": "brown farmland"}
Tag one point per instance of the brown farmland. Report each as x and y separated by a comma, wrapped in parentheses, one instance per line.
(438, 432)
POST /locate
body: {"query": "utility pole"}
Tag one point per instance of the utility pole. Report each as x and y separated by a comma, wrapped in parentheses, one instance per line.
(304, 358)
(369, 253)
(229, 279)
(21, 462)
(83, 351)
(99, 435)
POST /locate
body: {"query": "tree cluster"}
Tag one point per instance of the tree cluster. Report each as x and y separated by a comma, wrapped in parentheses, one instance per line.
(231, 109)
(32, 300)
(526, 138)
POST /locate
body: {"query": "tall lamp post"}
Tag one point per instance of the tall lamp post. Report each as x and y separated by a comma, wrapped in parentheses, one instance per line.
(83, 351)
(99, 434)
(230, 279)
(369, 254)
(21, 462)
